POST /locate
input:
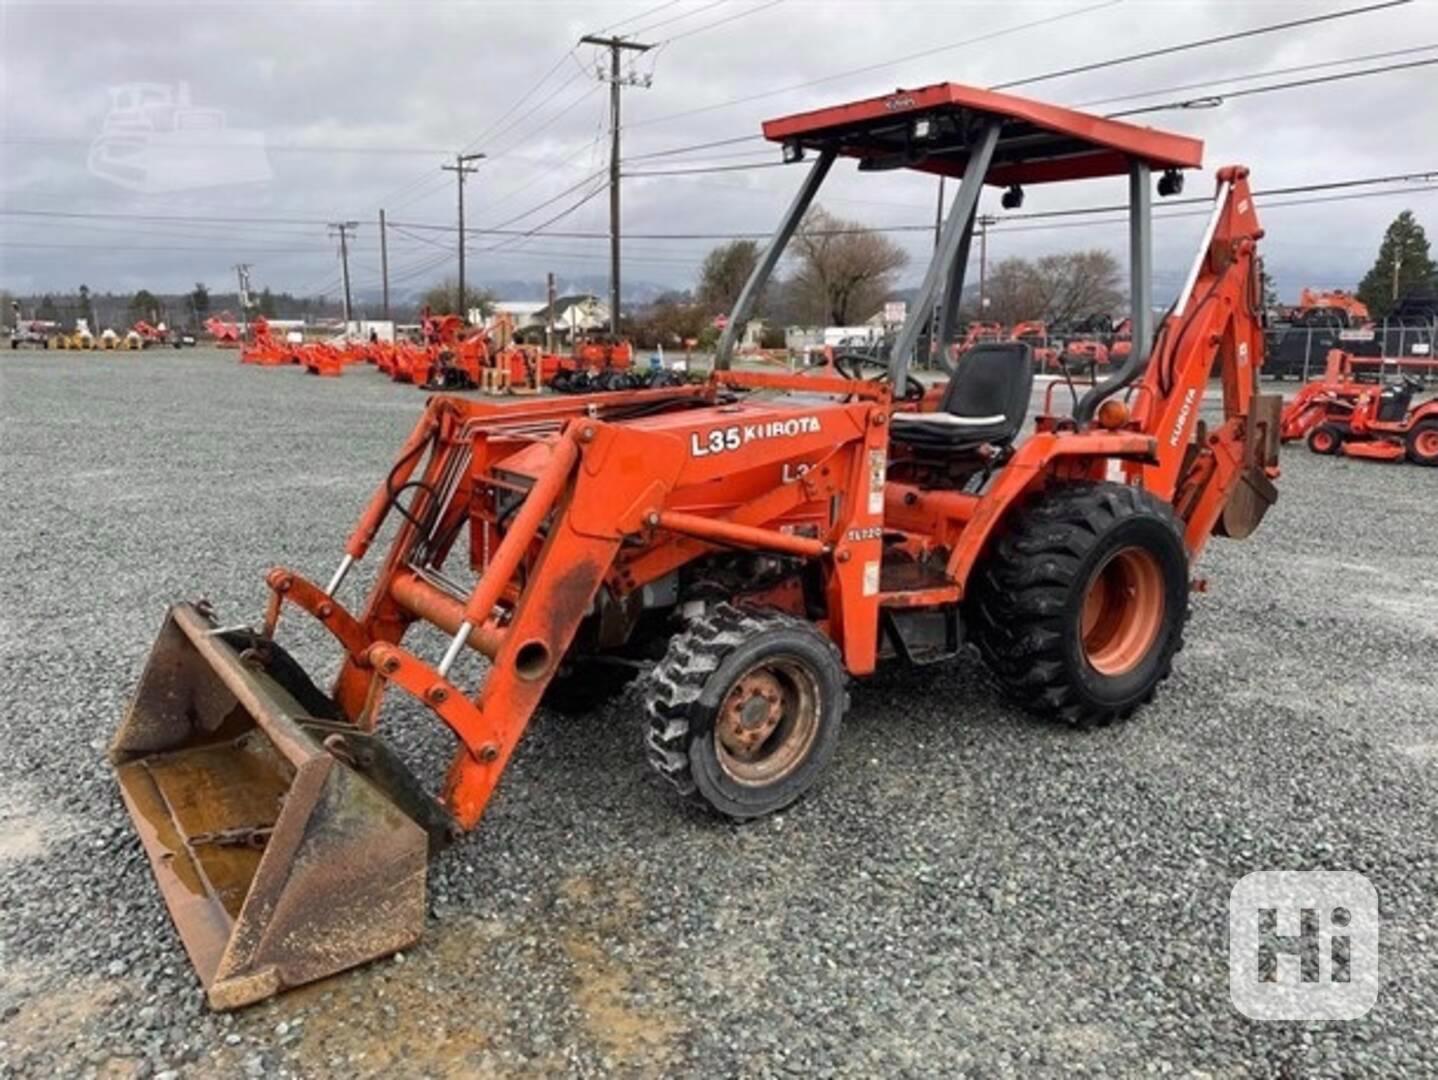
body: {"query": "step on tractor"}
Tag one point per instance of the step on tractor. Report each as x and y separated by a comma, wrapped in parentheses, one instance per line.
(743, 547)
(1340, 414)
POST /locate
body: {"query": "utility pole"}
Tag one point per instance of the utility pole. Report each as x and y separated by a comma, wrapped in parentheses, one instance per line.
(549, 314)
(985, 220)
(1397, 265)
(242, 279)
(462, 168)
(616, 81)
(383, 265)
(344, 228)
(935, 317)
(939, 214)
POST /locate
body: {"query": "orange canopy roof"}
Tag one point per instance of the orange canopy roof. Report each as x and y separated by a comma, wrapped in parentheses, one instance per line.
(1038, 143)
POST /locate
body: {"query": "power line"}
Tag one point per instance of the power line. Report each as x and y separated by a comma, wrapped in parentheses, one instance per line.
(721, 22)
(545, 224)
(1016, 28)
(1169, 50)
(695, 146)
(709, 169)
(551, 200)
(388, 198)
(1254, 75)
(1212, 101)
(642, 15)
(673, 18)
(19, 212)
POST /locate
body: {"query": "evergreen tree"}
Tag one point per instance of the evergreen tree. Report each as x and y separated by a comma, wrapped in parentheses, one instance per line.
(1402, 258)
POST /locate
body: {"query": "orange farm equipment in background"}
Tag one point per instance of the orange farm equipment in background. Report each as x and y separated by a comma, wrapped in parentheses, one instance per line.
(1339, 414)
(978, 332)
(224, 330)
(747, 546)
(604, 352)
(1035, 334)
(264, 348)
(1329, 307)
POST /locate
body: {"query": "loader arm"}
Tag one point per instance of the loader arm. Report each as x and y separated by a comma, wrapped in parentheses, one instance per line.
(1219, 479)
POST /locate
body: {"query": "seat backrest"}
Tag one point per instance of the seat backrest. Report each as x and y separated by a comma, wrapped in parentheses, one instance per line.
(1393, 402)
(992, 379)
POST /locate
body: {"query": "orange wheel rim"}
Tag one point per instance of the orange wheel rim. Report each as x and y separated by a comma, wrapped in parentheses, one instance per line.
(1323, 441)
(1122, 611)
(767, 722)
(1427, 443)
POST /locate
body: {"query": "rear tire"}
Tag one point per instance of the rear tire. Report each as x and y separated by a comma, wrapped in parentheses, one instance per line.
(1080, 606)
(1326, 439)
(745, 710)
(1422, 443)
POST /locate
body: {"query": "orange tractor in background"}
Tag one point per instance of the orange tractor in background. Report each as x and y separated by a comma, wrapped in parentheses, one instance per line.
(1035, 333)
(1340, 414)
(224, 330)
(264, 349)
(743, 548)
(1318, 307)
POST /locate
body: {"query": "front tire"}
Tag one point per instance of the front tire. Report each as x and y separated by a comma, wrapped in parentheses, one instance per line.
(745, 710)
(1422, 443)
(1080, 606)
(1326, 439)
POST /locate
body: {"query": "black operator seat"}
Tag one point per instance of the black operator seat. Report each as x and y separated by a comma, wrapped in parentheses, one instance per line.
(985, 402)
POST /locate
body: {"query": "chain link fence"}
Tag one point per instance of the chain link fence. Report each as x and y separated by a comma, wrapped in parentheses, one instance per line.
(1390, 347)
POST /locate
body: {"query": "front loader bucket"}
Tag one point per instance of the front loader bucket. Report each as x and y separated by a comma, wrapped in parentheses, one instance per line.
(276, 832)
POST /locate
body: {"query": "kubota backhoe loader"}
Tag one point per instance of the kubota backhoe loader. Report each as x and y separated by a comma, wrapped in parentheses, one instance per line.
(746, 545)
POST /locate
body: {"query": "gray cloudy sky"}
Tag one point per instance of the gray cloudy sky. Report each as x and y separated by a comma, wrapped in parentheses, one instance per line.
(332, 110)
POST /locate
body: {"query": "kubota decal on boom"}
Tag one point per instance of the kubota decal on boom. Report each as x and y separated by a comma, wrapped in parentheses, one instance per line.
(722, 440)
(1184, 410)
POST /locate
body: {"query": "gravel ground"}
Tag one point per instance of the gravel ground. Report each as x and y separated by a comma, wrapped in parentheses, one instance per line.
(966, 891)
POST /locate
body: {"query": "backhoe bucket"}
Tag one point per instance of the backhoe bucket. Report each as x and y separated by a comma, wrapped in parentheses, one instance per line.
(1255, 492)
(285, 842)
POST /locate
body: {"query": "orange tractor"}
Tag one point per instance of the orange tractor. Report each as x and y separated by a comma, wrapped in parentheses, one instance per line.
(744, 547)
(1332, 307)
(1339, 414)
(1035, 333)
(264, 348)
(224, 330)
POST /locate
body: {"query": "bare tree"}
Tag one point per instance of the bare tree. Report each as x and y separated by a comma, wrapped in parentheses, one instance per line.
(845, 271)
(1062, 287)
(1013, 293)
(1079, 283)
(726, 268)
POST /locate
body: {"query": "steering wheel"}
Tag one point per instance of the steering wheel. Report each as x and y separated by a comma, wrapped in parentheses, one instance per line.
(1413, 382)
(851, 365)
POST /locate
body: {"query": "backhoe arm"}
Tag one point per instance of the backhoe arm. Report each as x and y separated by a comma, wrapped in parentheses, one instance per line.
(1219, 480)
